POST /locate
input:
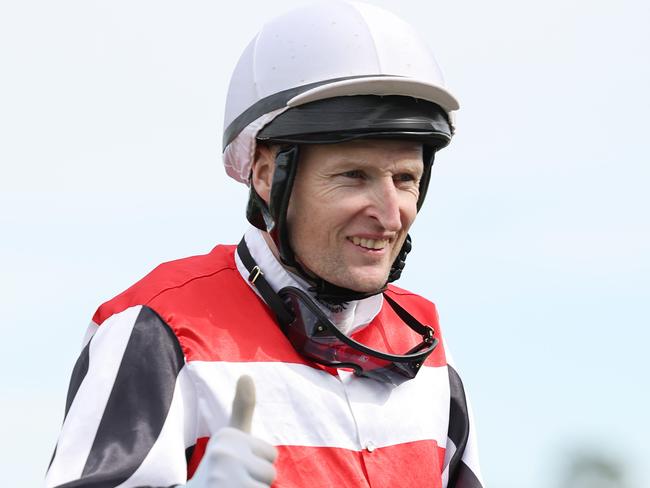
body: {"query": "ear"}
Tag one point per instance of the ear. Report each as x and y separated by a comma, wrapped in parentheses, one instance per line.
(263, 169)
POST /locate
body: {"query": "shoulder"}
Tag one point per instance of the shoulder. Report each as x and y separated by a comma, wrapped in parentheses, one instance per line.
(168, 276)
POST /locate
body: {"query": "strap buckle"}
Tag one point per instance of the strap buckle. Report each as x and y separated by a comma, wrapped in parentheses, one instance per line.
(256, 272)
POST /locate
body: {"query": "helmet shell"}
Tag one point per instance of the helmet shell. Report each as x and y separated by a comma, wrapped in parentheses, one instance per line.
(324, 50)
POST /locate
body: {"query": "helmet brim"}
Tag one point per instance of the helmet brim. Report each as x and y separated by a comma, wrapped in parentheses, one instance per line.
(345, 118)
(379, 85)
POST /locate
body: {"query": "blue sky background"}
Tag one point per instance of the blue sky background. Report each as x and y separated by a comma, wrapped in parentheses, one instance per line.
(534, 240)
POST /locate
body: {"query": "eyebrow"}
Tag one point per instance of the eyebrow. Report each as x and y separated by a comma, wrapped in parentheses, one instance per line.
(342, 160)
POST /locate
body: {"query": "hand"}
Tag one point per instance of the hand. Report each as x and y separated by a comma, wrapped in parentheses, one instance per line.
(233, 458)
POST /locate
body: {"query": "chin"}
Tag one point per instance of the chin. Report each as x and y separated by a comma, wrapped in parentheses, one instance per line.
(366, 284)
(362, 279)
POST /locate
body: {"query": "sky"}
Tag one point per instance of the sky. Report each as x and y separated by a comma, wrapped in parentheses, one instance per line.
(534, 241)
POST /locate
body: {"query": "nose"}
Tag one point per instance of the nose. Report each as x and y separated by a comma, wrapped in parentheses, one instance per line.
(385, 206)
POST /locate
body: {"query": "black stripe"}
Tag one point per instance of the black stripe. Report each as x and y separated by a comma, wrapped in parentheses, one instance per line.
(93, 484)
(78, 374)
(189, 452)
(149, 486)
(466, 478)
(84, 484)
(137, 406)
(51, 459)
(458, 425)
(271, 103)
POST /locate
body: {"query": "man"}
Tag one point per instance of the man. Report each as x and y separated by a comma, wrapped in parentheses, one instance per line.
(335, 112)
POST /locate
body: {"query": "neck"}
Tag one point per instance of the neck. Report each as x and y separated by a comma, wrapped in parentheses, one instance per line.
(348, 318)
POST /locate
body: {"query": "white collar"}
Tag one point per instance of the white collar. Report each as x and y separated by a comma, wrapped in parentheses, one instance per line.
(356, 314)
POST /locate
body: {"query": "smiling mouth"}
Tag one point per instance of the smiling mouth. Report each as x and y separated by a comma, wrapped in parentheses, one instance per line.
(372, 244)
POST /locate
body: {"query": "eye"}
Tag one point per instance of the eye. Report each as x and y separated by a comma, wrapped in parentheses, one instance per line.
(404, 177)
(354, 173)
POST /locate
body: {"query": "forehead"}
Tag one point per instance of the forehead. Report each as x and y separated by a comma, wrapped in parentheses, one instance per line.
(360, 150)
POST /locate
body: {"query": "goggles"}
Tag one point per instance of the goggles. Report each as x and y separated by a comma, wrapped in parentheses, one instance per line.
(316, 337)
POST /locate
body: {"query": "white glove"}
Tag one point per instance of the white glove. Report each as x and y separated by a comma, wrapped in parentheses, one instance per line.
(233, 458)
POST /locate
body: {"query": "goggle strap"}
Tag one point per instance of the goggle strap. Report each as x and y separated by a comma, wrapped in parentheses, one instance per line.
(257, 279)
(408, 319)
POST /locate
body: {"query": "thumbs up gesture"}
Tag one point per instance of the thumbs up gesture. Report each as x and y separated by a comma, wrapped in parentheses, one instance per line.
(233, 458)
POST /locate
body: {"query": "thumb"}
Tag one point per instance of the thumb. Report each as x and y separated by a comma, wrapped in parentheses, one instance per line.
(243, 404)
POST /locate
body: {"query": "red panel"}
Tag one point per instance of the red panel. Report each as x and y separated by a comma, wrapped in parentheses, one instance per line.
(413, 464)
(166, 276)
(197, 455)
(319, 467)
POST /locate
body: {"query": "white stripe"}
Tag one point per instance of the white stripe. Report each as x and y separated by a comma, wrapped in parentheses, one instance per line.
(165, 463)
(300, 405)
(90, 332)
(416, 410)
(85, 414)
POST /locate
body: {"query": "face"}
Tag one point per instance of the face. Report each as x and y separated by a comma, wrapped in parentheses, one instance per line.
(351, 207)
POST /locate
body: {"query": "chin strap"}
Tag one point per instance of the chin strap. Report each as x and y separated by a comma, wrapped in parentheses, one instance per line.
(400, 261)
(334, 296)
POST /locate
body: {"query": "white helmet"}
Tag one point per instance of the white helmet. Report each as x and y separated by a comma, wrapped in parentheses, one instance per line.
(324, 50)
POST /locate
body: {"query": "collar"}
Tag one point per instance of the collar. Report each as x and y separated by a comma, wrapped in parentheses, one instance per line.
(356, 314)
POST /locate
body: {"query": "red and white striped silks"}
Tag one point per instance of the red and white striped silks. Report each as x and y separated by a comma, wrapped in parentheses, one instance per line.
(158, 377)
